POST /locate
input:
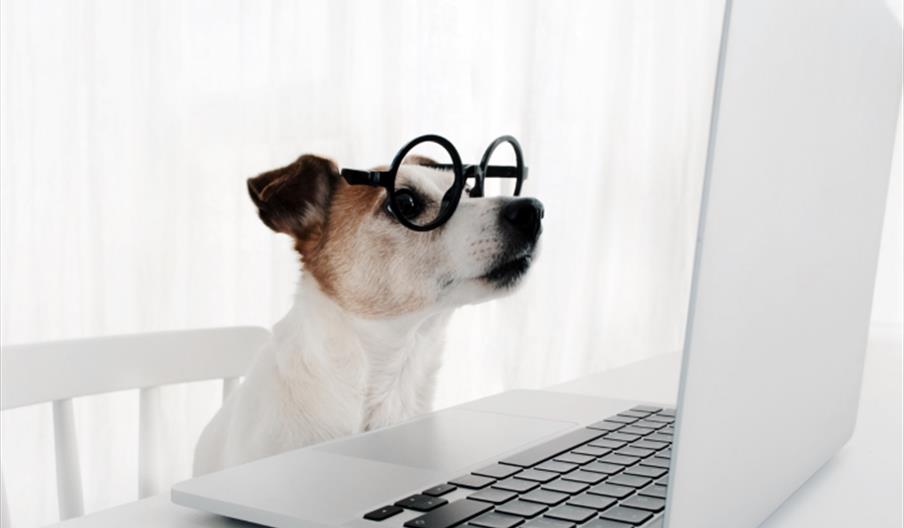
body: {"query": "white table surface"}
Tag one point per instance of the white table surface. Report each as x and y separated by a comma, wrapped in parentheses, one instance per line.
(863, 485)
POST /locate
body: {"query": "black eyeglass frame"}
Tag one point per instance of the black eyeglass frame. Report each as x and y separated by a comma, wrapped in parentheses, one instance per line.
(462, 173)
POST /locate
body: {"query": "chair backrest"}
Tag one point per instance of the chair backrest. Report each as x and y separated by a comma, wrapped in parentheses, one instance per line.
(61, 370)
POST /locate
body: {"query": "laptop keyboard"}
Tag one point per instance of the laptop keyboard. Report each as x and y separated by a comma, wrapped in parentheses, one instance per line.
(611, 474)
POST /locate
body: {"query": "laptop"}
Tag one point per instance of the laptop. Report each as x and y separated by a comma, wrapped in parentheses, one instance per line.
(803, 121)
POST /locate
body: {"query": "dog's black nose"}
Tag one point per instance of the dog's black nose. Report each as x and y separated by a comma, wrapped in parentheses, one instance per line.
(524, 214)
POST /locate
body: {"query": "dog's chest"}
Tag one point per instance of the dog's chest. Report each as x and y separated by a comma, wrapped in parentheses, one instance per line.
(401, 389)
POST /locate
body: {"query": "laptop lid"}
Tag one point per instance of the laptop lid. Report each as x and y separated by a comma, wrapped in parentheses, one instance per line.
(800, 146)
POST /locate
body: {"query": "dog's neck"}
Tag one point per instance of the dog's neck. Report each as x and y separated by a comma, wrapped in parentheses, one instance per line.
(371, 372)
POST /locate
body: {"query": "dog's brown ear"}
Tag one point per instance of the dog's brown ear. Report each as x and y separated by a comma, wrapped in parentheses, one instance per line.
(295, 199)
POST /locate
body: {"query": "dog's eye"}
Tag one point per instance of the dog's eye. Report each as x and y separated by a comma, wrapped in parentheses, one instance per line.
(409, 204)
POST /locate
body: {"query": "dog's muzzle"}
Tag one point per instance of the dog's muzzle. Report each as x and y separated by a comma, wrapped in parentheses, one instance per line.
(522, 217)
(521, 220)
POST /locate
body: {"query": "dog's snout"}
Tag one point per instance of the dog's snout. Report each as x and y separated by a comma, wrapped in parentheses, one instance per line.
(524, 215)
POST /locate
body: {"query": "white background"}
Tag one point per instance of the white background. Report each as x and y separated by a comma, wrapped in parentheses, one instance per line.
(129, 127)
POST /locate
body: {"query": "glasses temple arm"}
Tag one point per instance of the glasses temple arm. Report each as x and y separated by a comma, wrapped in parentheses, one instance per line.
(504, 171)
(362, 177)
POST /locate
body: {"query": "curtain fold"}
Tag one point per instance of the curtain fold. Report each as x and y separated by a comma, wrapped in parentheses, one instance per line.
(129, 127)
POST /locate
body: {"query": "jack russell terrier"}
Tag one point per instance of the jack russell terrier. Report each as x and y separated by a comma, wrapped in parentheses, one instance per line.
(361, 346)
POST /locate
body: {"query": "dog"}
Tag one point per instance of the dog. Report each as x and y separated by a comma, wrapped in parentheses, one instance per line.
(361, 346)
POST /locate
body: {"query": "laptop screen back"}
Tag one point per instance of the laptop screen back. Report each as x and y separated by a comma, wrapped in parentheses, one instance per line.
(799, 159)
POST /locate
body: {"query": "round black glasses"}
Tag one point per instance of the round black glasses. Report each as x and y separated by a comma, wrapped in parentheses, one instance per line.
(414, 209)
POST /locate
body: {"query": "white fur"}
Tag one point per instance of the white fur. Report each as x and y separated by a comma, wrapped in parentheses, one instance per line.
(325, 374)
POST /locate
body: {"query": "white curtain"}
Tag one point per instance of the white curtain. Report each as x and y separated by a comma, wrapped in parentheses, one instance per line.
(129, 127)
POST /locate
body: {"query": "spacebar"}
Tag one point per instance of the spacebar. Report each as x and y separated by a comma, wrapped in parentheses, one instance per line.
(554, 447)
(449, 515)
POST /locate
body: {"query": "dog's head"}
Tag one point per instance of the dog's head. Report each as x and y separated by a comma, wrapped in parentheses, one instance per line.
(372, 265)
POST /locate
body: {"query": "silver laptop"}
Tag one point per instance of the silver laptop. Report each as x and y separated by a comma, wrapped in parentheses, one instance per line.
(799, 158)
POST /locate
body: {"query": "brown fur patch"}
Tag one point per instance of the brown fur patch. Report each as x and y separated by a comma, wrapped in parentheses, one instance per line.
(353, 244)
(351, 206)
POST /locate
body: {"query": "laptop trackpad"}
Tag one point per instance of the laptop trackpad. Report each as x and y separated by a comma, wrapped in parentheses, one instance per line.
(337, 482)
(448, 440)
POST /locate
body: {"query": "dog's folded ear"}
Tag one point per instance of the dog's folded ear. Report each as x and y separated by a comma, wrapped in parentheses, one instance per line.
(295, 199)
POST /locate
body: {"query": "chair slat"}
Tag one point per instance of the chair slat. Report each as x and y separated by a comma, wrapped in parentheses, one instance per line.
(4, 504)
(149, 430)
(68, 471)
(229, 385)
(59, 371)
(83, 367)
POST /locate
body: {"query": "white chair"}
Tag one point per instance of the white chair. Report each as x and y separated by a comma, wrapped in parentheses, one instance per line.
(59, 371)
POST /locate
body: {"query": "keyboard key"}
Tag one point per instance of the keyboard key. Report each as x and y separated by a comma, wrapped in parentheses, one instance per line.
(421, 502)
(646, 471)
(634, 414)
(661, 419)
(635, 452)
(536, 476)
(496, 520)
(665, 453)
(646, 408)
(608, 444)
(629, 480)
(522, 508)
(472, 481)
(666, 433)
(516, 485)
(497, 471)
(621, 419)
(587, 477)
(442, 489)
(557, 446)
(574, 458)
(606, 425)
(626, 515)
(449, 515)
(591, 451)
(566, 486)
(622, 437)
(621, 460)
(556, 467)
(588, 500)
(645, 503)
(603, 467)
(646, 444)
(634, 430)
(609, 490)
(667, 412)
(660, 437)
(549, 498)
(548, 523)
(662, 481)
(570, 513)
(649, 424)
(654, 491)
(492, 495)
(383, 513)
(603, 523)
(656, 462)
